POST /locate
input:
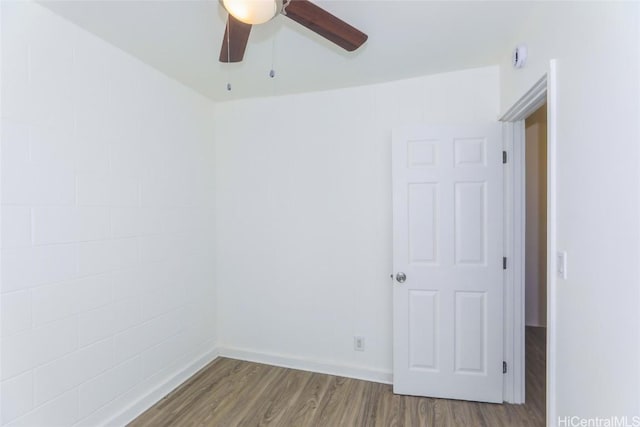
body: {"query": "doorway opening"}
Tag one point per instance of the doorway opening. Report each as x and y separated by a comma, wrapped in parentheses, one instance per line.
(516, 381)
(535, 242)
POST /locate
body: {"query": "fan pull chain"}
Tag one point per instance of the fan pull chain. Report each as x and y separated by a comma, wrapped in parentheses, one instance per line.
(228, 56)
(272, 72)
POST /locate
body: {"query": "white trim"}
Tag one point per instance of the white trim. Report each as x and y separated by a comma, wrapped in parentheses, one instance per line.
(1, 210)
(552, 223)
(543, 90)
(508, 347)
(130, 412)
(514, 354)
(530, 102)
(519, 234)
(309, 365)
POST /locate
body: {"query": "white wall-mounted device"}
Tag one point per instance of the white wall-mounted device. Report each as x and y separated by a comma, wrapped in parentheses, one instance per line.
(519, 56)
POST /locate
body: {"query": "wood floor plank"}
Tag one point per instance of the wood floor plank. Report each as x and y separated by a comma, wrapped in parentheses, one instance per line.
(418, 411)
(283, 391)
(235, 406)
(390, 408)
(335, 401)
(303, 410)
(218, 374)
(222, 401)
(443, 413)
(367, 410)
(236, 393)
(197, 386)
(356, 404)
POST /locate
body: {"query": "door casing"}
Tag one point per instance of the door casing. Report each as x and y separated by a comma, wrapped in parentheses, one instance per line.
(544, 90)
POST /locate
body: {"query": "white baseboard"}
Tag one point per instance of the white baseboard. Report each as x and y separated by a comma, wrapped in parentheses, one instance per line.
(136, 408)
(307, 365)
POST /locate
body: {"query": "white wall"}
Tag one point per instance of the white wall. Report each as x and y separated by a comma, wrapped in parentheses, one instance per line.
(107, 214)
(536, 218)
(598, 306)
(107, 262)
(304, 216)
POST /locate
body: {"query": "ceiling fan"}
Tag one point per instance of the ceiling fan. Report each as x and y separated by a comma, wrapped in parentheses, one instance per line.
(245, 13)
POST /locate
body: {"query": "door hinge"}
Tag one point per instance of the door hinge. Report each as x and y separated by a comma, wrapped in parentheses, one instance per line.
(504, 262)
(504, 157)
(504, 367)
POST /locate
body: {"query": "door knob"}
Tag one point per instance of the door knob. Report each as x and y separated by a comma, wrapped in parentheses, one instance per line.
(401, 277)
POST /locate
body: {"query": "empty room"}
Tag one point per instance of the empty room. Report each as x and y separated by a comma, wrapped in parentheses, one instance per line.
(319, 213)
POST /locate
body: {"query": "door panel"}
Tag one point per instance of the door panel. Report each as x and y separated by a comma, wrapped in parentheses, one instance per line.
(423, 223)
(469, 228)
(470, 332)
(423, 319)
(447, 239)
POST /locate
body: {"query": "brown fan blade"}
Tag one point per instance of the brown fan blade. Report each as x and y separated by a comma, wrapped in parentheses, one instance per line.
(236, 35)
(322, 22)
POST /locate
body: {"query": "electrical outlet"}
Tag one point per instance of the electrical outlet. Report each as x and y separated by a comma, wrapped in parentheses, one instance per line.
(358, 343)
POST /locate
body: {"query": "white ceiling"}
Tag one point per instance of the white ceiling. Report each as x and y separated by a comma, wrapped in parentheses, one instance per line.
(181, 38)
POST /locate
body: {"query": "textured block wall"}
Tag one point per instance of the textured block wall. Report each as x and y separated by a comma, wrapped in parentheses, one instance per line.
(107, 263)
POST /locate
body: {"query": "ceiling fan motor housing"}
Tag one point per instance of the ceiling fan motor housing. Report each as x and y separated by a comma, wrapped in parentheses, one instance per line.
(252, 12)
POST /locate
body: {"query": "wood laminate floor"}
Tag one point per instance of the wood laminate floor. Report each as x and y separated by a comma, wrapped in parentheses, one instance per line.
(230, 392)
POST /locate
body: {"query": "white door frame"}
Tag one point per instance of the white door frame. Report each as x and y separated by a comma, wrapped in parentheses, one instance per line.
(514, 338)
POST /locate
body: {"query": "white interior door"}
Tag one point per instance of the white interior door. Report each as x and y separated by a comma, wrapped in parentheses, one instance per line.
(447, 242)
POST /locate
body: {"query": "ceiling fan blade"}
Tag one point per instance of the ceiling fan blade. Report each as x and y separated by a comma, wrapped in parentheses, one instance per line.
(236, 35)
(327, 25)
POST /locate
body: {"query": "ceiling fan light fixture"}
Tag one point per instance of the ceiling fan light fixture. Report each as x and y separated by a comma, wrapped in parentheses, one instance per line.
(252, 11)
(244, 14)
